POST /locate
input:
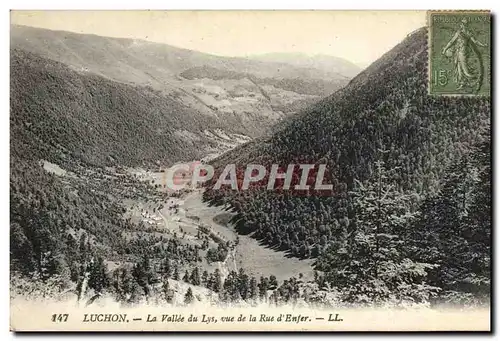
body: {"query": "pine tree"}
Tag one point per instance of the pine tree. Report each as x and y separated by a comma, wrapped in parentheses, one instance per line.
(82, 248)
(195, 276)
(186, 277)
(253, 290)
(167, 268)
(166, 286)
(143, 274)
(273, 282)
(243, 284)
(204, 278)
(125, 286)
(166, 290)
(231, 288)
(454, 230)
(21, 250)
(371, 266)
(176, 273)
(189, 297)
(217, 284)
(263, 287)
(98, 278)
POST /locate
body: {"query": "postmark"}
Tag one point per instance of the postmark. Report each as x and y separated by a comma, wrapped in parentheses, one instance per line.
(459, 53)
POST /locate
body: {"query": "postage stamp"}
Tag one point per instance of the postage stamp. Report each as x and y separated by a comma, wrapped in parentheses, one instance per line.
(459, 52)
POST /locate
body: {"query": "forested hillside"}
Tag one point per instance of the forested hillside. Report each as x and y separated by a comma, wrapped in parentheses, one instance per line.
(78, 207)
(248, 94)
(93, 119)
(394, 154)
(73, 136)
(59, 114)
(317, 87)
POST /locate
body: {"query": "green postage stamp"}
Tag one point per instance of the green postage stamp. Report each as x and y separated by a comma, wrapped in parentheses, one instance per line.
(459, 52)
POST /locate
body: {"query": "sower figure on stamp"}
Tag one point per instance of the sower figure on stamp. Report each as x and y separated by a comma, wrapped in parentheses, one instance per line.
(464, 41)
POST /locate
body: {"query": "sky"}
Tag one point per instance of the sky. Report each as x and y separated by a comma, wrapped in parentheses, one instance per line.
(358, 36)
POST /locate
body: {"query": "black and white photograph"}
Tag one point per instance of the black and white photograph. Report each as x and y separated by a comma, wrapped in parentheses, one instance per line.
(250, 170)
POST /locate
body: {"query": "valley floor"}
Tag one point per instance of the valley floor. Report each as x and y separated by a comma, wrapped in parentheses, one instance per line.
(183, 216)
(256, 259)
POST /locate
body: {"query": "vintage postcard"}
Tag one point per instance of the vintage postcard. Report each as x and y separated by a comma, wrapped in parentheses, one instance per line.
(250, 171)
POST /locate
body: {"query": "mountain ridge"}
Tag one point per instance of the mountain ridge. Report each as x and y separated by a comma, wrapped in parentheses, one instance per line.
(319, 61)
(384, 114)
(190, 57)
(51, 104)
(282, 89)
(400, 162)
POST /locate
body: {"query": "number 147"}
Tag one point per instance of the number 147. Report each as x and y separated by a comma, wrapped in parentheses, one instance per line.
(60, 317)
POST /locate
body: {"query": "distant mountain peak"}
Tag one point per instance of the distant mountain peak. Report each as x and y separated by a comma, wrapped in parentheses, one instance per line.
(326, 63)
